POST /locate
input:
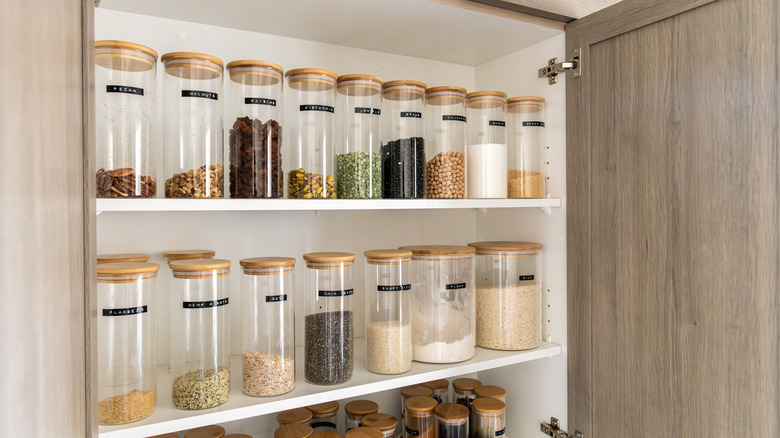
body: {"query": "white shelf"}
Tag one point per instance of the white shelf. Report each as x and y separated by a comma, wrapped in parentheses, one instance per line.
(166, 418)
(104, 205)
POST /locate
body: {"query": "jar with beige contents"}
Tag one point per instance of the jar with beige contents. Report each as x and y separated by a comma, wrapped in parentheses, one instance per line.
(445, 123)
(525, 146)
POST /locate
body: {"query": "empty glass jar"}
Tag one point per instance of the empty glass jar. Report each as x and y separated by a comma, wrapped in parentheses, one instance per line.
(403, 142)
(486, 155)
(525, 144)
(445, 121)
(487, 418)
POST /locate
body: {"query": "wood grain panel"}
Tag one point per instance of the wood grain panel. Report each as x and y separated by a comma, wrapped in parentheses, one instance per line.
(673, 268)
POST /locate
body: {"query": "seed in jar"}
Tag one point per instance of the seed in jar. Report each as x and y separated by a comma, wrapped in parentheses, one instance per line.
(126, 408)
(446, 176)
(524, 184)
(359, 176)
(509, 318)
(255, 159)
(267, 374)
(389, 347)
(196, 183)
(328, 347)
(201, 389)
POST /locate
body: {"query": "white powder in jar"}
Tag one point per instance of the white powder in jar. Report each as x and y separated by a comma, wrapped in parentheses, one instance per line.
(442, 352)
(486, 170)
(389, 347)
(509, 318)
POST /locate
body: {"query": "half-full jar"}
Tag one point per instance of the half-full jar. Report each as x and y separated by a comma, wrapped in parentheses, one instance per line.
(386, 423)
(440, 389)
(486, 156)
(445, 121)
(355, 410)
(444, 314)
(125, 119)
(403, 140)
(324, 417)
(509, 296)
(127, 385)
(268, 326)
(312, 174)
(525, 143)
(192, 120)
(420, 421)
(487, 418)
(200, 333)
(463, 390)
(358, 161)
(452, 421)
(328, 325)
(388, 311)
(254, 117)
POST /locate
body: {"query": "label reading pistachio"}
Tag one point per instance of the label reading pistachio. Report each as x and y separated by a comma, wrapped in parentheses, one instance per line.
(324, 108)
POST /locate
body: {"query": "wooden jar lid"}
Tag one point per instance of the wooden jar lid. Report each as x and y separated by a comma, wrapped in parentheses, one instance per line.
(205, 432)
(296, 430)
(361, 407)
(121, 258)
(506, 245)
(451, 411)
(419, 405)
(466, 384)
(488, 406)
(387, 256)
(437, 384)
(121, 269)
(439, 249)
(267, 262)
(326, 435)
(124, 56)
(513, 100)
(324, 408)
(416, 391)
(485, 99)
(403, 90)
(192, 65)
(329, 257)
(359, 85)
(490, 391)
(255, 73)
(364, 432)
(238, 435)
(198, 265)
(185, 254)
(380, 421)
(311, 79)
(293, 416)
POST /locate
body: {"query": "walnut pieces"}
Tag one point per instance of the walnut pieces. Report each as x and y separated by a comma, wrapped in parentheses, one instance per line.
(123, 183)
(196, 183)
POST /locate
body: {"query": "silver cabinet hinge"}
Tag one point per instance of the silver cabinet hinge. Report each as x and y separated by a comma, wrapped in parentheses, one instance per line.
(553, 430)
(554, 67)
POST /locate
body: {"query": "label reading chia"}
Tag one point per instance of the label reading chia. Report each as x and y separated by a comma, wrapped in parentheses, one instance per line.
(323, 424)
(362, 110)
(412, 114)
(532, 123)
(500, 432)
(123, 89)
(259, 101)
(200, 94)
(526, 277)
(204, 304)
(455, 286)
(455, 118)
(496, 123)
(412, 432)
(325, 108)
(125, 311)
(275, 298)
(335, 293)
(394, 288)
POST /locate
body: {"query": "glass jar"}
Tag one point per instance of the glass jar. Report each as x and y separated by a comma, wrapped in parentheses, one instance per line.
(413, 391)
(486, 156)
(312, 174)
(358, 162)
(509, 296)
(443, 323)
(452, 421)
(440, 389)
(200, 333)
(403, 142)
(254, 114)
(205, 432)
(386, 423)
(487, 418)
(192, 121)
(121, 258)
(463, 389)
(127, 385)
(525, 144)
(490, 391)
(445, 120)
(268, 326)
(125, 119)
(293, 431)
(188, 254)
(294, 416)
(328, 331)
(388, 311)
(324, 417)
(364, 432)
(420, 419)
(355, 411)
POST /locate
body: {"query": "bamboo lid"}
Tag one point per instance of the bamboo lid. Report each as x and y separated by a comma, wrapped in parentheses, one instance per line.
(205, 432)
(185, 254)
(361, 407)
(121, 269)
(124, 56)
(506, 245)
(329, 257)
(121, 258)
(385, 255)
(403, 90)
(293, 416)
(380, 421)
(488, 405)
(451, 411)
(439, 249)
(520, 99)
(191, 65)
(114, 44)
(417, 405)
(435, 90)
(267, 262)
(238, 435)
(324, 408)
(199, 265)
(326, 435)
(490, 391)
(311, 79)
(441, 96)
(359, 85)
(254, 63)
(466, 384)
(364, 432)
(437, 384)
(257, 73)
(485, 99)
(293, 431)
(416, 391)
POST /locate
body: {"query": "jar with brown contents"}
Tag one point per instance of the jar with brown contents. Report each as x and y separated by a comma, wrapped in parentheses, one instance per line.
(525, 144)
(445, 132)
(420, 419)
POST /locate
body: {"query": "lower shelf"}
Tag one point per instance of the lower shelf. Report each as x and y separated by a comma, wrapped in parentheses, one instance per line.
(166, 418)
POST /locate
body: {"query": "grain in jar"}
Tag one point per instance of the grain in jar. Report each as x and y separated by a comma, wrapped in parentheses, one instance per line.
(487, 418)
(445, 131)
(463, 390)
(440, 389)
(452, 421)
(386, 423)
(324, 417)
(294, 416)
(486, 154)
(356, 410)
(526, 144)
(420, 421)
(403, 140)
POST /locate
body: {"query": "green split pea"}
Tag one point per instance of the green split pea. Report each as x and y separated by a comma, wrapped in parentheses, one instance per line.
(359, 175)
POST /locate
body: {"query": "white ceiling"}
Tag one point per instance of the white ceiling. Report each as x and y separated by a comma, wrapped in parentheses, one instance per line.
(569, 8)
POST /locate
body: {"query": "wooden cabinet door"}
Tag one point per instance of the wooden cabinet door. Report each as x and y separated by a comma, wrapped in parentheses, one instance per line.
(672, 182)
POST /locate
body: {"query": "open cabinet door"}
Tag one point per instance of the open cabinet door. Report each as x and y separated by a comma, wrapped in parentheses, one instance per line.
(672, 182)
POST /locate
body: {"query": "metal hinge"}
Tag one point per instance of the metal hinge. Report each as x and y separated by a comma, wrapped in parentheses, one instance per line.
(553, 429)
(554, 67)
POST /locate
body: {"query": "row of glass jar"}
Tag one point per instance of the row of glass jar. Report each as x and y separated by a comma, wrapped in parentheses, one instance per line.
(426, 150)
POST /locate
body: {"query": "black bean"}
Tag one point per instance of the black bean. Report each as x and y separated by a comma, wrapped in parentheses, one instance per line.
(403, 168)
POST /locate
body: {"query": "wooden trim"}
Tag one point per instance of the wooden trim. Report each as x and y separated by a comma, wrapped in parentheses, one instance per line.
(510, 11)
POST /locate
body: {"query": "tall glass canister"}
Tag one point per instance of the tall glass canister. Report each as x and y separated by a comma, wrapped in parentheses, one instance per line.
(192, 121)
(486, 155)
(268, 326)
(445, 121)
(358, 162)
(329, 322)
(200, 333)
(125, 120)
(403, 140)
(127, 384)
(311, 174)
(388, 311)
(525, 143)
(254, 117)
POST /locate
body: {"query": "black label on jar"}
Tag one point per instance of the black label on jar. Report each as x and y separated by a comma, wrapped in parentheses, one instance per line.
(412, 432)
(412, 114)
(394, 288)
(532, 123)
(372, 111)
(324, 108)
(125, 311)
(200, 94)
(454, 118)
(455, 286)
(526, 278)
(496, 123)
(259, 101)
(275, 298)
(204, 304)
(500, 432)
(335, 293)
(123, 89)
(323, 424)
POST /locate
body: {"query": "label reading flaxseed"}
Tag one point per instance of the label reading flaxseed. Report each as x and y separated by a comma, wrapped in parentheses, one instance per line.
(259, 101)
(204, 304)
(526, 278)
(275, 298)
(125, 311)
(123, 89)
(335, 293)
(455, 286)
(199, 94)
(394, 288)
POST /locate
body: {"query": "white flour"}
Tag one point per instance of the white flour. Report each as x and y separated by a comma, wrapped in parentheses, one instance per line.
(486, 170)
